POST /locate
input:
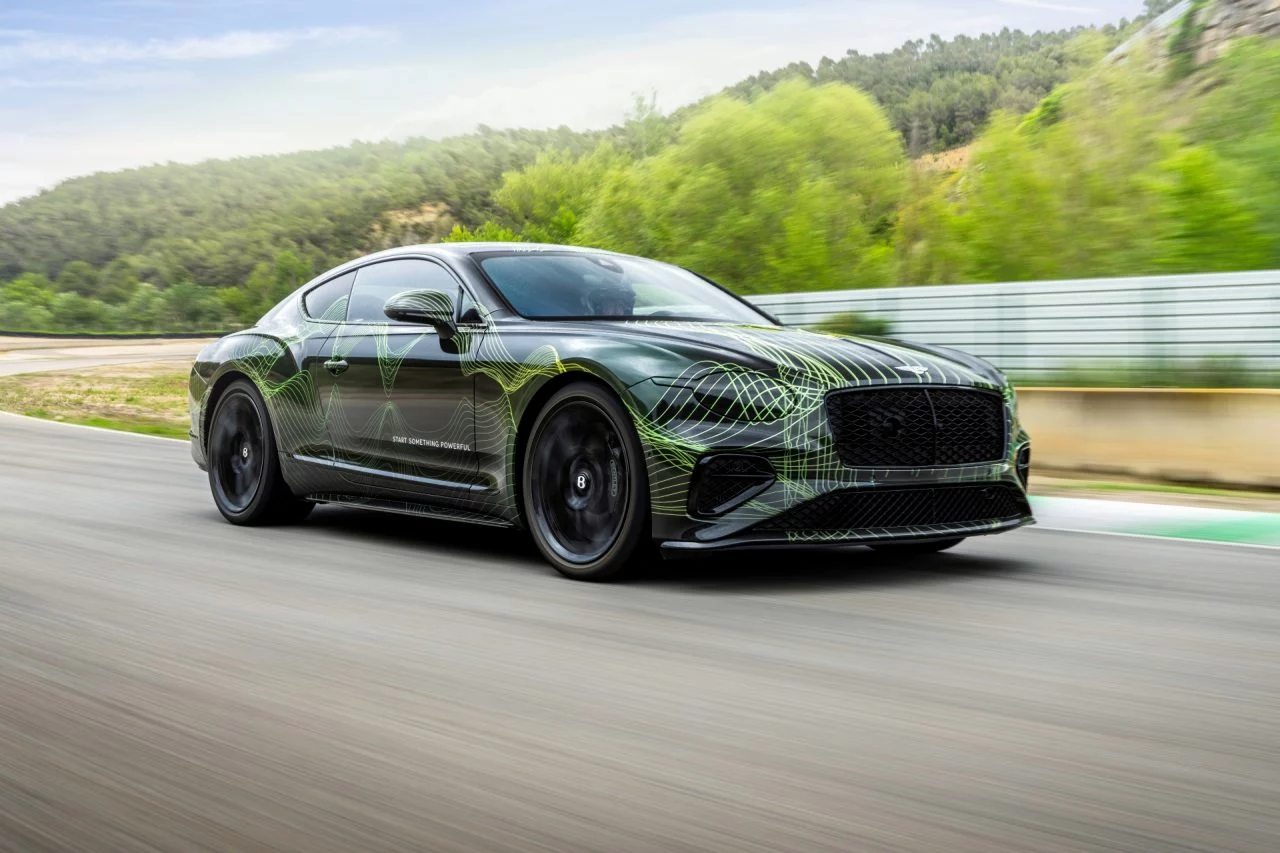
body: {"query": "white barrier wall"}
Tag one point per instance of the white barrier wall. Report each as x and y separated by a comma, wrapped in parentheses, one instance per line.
(1039, 327)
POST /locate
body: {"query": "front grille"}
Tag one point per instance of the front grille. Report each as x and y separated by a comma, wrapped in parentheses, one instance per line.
(916, 427)
(727, 480)
(872, 508)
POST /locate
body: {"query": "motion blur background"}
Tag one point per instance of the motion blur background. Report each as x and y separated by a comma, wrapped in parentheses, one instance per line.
(1085, 192)
(1022, 141)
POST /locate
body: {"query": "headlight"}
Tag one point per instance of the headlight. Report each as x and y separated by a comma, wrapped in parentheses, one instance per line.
(735, 394)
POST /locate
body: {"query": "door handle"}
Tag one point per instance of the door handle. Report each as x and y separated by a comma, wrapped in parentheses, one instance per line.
(336, 365)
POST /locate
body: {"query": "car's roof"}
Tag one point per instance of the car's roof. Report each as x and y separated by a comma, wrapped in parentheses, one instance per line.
(456, 249)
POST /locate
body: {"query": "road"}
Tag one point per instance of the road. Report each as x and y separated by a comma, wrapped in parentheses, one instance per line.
(379, 683)
(31, 355)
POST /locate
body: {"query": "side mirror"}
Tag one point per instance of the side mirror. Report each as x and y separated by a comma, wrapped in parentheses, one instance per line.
(423, 306)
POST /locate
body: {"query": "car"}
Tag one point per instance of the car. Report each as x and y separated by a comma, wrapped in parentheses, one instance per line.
(614, 407)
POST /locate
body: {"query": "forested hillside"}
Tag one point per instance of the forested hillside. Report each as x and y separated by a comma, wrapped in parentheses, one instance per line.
(938, 94)
(794, 179)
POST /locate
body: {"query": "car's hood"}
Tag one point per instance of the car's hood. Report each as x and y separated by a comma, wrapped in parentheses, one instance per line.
(818, 358)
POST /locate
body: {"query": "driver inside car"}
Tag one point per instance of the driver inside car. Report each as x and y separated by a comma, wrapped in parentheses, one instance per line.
(613, 298)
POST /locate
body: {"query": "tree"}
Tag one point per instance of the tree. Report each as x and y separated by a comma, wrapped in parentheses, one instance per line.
(73, 311)
(1204, 225)
(189, 307)
(1093, 183)
(78, 277)
(646, 129)
(29, 289)
(117, 281)
(547, 199)
(792, 191)
(488, 232)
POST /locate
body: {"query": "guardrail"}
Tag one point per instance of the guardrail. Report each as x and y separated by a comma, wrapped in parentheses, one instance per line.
(1043, 328)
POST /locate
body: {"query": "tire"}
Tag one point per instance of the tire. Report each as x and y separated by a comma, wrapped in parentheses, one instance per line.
(584, 488)
(916, 549)
(244, 469)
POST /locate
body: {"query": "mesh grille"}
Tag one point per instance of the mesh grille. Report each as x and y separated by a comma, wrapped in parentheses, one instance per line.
(726, 481)
(970, 426)
(862, 509)
(916, 427)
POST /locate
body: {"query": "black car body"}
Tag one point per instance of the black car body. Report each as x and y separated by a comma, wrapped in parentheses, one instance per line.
(409, 380)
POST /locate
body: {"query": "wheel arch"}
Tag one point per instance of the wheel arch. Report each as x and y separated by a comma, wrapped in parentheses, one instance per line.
(524, 427)
(216, 390)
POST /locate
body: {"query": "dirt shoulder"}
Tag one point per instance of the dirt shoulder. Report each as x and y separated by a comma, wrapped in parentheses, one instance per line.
(149, 397)
(1137, 491)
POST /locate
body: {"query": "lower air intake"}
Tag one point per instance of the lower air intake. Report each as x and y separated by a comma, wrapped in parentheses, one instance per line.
(725, 481)
(879, 508)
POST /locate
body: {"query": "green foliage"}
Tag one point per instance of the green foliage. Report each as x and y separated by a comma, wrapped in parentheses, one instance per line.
(1210, 372)
(119, 303)
(1185, 39)
(549, 198)
(215, 221)
(1097, 182)
(940, 93)
(1202, 223)
(795, 190)
(794, 179)
(1047, 113)
(78, 277)
(488, 232)
(853, 323)
(1239, 119)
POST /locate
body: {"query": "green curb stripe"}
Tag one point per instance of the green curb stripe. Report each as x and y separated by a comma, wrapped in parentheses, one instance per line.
(1254, 530)
(1153, 519)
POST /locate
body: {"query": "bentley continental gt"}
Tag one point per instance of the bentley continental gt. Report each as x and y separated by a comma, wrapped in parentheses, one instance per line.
(612, 406)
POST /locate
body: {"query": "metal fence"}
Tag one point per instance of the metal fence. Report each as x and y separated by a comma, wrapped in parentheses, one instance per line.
(1161, 324)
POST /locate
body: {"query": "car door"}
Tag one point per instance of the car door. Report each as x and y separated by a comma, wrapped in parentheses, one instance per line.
(401, 415)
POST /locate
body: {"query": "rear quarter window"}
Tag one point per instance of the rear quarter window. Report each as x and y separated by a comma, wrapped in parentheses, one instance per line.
(328, 302)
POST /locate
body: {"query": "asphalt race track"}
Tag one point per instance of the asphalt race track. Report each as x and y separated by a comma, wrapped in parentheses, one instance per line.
(377, 683)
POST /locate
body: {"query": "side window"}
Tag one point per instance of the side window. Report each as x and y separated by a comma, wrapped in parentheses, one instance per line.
(328, 302)
(377, 283)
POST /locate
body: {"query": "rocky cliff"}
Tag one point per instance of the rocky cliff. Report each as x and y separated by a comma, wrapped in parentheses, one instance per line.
(1223, 21)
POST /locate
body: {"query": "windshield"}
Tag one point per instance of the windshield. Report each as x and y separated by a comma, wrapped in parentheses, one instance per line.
(588, 285)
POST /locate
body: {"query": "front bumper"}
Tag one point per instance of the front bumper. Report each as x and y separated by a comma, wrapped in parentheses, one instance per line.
(197, 450)
(764, 541)
(862, 506)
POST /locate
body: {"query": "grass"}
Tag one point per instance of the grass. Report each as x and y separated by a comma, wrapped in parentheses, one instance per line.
(144, 398)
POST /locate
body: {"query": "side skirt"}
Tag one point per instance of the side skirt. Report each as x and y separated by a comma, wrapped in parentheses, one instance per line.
(409, 508)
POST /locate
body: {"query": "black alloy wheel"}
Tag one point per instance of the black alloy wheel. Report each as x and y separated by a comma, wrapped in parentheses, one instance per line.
(244, 473)
(584, 489)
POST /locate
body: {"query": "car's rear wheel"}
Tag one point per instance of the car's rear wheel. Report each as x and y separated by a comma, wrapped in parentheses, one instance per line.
(907, 549)
(584, 487)
(244, 470)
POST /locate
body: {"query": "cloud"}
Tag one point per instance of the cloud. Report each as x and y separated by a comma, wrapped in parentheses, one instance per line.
(1052, 7)
(589, 84)
(36, 47)
(96, 82)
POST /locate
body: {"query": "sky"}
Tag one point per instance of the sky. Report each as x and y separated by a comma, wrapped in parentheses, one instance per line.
(93, 85)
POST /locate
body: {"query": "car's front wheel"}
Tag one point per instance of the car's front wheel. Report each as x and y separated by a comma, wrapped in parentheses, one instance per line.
(584, 485)
(244, 470)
